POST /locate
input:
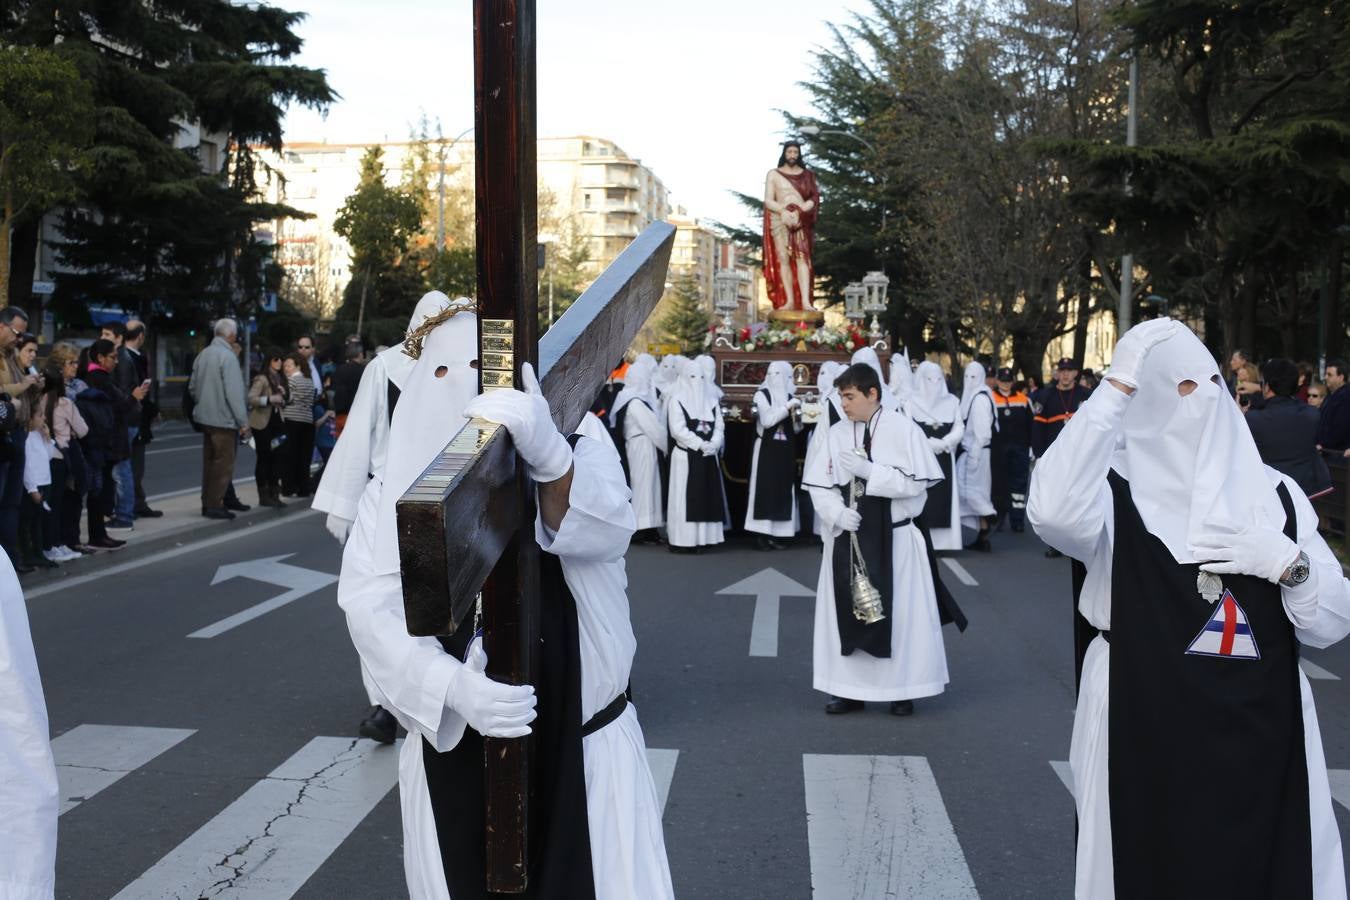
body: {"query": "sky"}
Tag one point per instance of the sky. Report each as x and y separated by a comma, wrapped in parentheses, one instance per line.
(692, 89)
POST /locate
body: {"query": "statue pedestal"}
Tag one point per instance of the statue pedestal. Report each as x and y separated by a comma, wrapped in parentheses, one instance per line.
(813, 317)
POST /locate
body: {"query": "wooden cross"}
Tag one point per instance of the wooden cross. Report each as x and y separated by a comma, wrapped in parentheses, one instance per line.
(467, 524)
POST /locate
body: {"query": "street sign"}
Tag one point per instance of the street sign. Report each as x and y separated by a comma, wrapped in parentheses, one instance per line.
(44, 288)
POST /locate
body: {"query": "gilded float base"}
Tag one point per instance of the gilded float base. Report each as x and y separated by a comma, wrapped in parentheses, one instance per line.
(796, 316)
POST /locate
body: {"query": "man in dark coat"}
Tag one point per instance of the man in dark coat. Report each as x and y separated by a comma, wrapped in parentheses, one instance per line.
(1334, 434)
(1285, 429)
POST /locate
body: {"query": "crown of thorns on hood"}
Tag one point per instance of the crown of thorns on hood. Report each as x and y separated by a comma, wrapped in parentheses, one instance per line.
(412, 342)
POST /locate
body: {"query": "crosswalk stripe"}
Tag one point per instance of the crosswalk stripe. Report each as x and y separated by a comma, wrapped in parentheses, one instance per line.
(662, 764)
(960, 572)
(92, 758)
(267, 843)
(1316, 672)
(877, 827)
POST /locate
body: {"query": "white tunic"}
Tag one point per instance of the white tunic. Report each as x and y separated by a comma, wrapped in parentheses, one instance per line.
(917, 666)
(28, 789)
(950, 538)
(974, 477)
(679, 531)
(628, 855)
(767, 415)
(644, 439)
(1071, 508)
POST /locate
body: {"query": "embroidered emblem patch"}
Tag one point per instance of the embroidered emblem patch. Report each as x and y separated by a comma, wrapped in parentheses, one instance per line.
(1227, 633)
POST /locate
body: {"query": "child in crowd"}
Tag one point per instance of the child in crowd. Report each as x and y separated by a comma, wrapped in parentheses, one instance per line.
(66, 426)
(37, 480)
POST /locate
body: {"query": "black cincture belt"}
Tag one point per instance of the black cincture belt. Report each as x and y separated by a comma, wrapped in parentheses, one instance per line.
(901, 524)
(605, 716)
(1106, 635)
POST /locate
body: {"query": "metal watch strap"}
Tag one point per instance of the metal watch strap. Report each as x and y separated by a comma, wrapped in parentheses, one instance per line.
(1298, 572)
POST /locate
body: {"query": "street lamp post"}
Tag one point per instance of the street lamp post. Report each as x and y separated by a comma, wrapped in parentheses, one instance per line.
(854, 294)
(874, 301)
(726, 284)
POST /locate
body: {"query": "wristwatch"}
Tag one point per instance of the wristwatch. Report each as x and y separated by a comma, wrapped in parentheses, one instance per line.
(1298, 572)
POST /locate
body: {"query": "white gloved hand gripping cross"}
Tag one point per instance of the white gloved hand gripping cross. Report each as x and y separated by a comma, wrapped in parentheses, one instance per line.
(526, 415)
(491, 708)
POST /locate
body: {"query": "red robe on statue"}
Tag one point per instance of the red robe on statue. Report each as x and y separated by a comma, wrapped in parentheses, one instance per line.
(801, 243)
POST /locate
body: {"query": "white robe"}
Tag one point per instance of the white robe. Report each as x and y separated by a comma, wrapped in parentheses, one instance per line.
(974, 476)
(1071, 509)
(28, 788)
(767, 415)
(917, 666)
(679, 531)
(644, 439)
(950, 538)
(628, 855)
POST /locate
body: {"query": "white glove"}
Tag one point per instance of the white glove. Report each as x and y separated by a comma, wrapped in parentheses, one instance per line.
(855, 465)
(937, 445)
(491, 708)
(850, 520)
(338, 527)
(1261, 552)
(707, 449)
(526, 415)
(1128, 359)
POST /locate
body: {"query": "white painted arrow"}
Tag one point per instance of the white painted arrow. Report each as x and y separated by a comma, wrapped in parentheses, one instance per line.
(271, 570)
(766, 587)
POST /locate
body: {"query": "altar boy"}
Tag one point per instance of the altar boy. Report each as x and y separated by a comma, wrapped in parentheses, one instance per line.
(869, 479)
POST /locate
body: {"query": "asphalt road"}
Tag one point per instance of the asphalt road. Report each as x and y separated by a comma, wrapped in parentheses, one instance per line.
(173, 461)
(192, 763)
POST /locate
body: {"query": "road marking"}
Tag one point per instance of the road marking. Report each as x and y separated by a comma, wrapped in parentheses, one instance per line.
(183, 492)
(91, 758)
(960, 572)
(173, 450)
(1065, 773)
(767, 587)
(1316, 672)
(662, 764)
(300, 581)
(267, 843)
(877, 827)
(66, 584)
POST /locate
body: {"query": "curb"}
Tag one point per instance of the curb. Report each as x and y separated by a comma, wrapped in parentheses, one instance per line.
(192, 530)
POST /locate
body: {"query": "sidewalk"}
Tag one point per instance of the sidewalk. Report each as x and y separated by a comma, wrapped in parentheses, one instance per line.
(182, 523)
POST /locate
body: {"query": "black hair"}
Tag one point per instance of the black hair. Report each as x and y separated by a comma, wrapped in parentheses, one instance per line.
(134, 332)
(1243, 353)
(1281, 376)
(117, 328)
(801, 157)
(1338, 364)
(26, 338)
(862, 377)
(354, 351)
(101, 347)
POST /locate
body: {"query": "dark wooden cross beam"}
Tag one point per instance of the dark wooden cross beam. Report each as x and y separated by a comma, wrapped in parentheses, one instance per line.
(467, 524)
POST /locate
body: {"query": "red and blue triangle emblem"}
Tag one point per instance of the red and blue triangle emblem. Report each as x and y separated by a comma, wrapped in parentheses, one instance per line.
(1227, 633)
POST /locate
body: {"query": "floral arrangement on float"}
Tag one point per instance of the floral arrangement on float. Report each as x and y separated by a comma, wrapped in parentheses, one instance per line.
(772, 336)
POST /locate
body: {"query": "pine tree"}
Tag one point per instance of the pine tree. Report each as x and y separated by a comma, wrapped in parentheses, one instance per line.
(687, 319)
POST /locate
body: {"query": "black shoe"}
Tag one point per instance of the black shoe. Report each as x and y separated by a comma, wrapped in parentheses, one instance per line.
(380, 726)
(107, 543)
(23, 569)
(779, 545)
(674, 548)
(1052, 553)
(763, 543)
(902, 707)
(146, 512)
(1019, 528)
(838, 705)
(218, 513)
(981, 544)
(234, 504)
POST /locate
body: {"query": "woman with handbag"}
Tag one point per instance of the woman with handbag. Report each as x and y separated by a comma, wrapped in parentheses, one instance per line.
(267, 394)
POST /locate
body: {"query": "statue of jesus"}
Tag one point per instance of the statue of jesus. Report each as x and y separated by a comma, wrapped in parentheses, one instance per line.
(791, 204)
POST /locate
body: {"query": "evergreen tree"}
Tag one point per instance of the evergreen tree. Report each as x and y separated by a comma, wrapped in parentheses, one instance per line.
(155, 223)
(379, 223)
(686, 320)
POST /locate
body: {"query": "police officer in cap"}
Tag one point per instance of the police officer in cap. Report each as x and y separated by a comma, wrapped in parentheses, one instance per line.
(1052, 408)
